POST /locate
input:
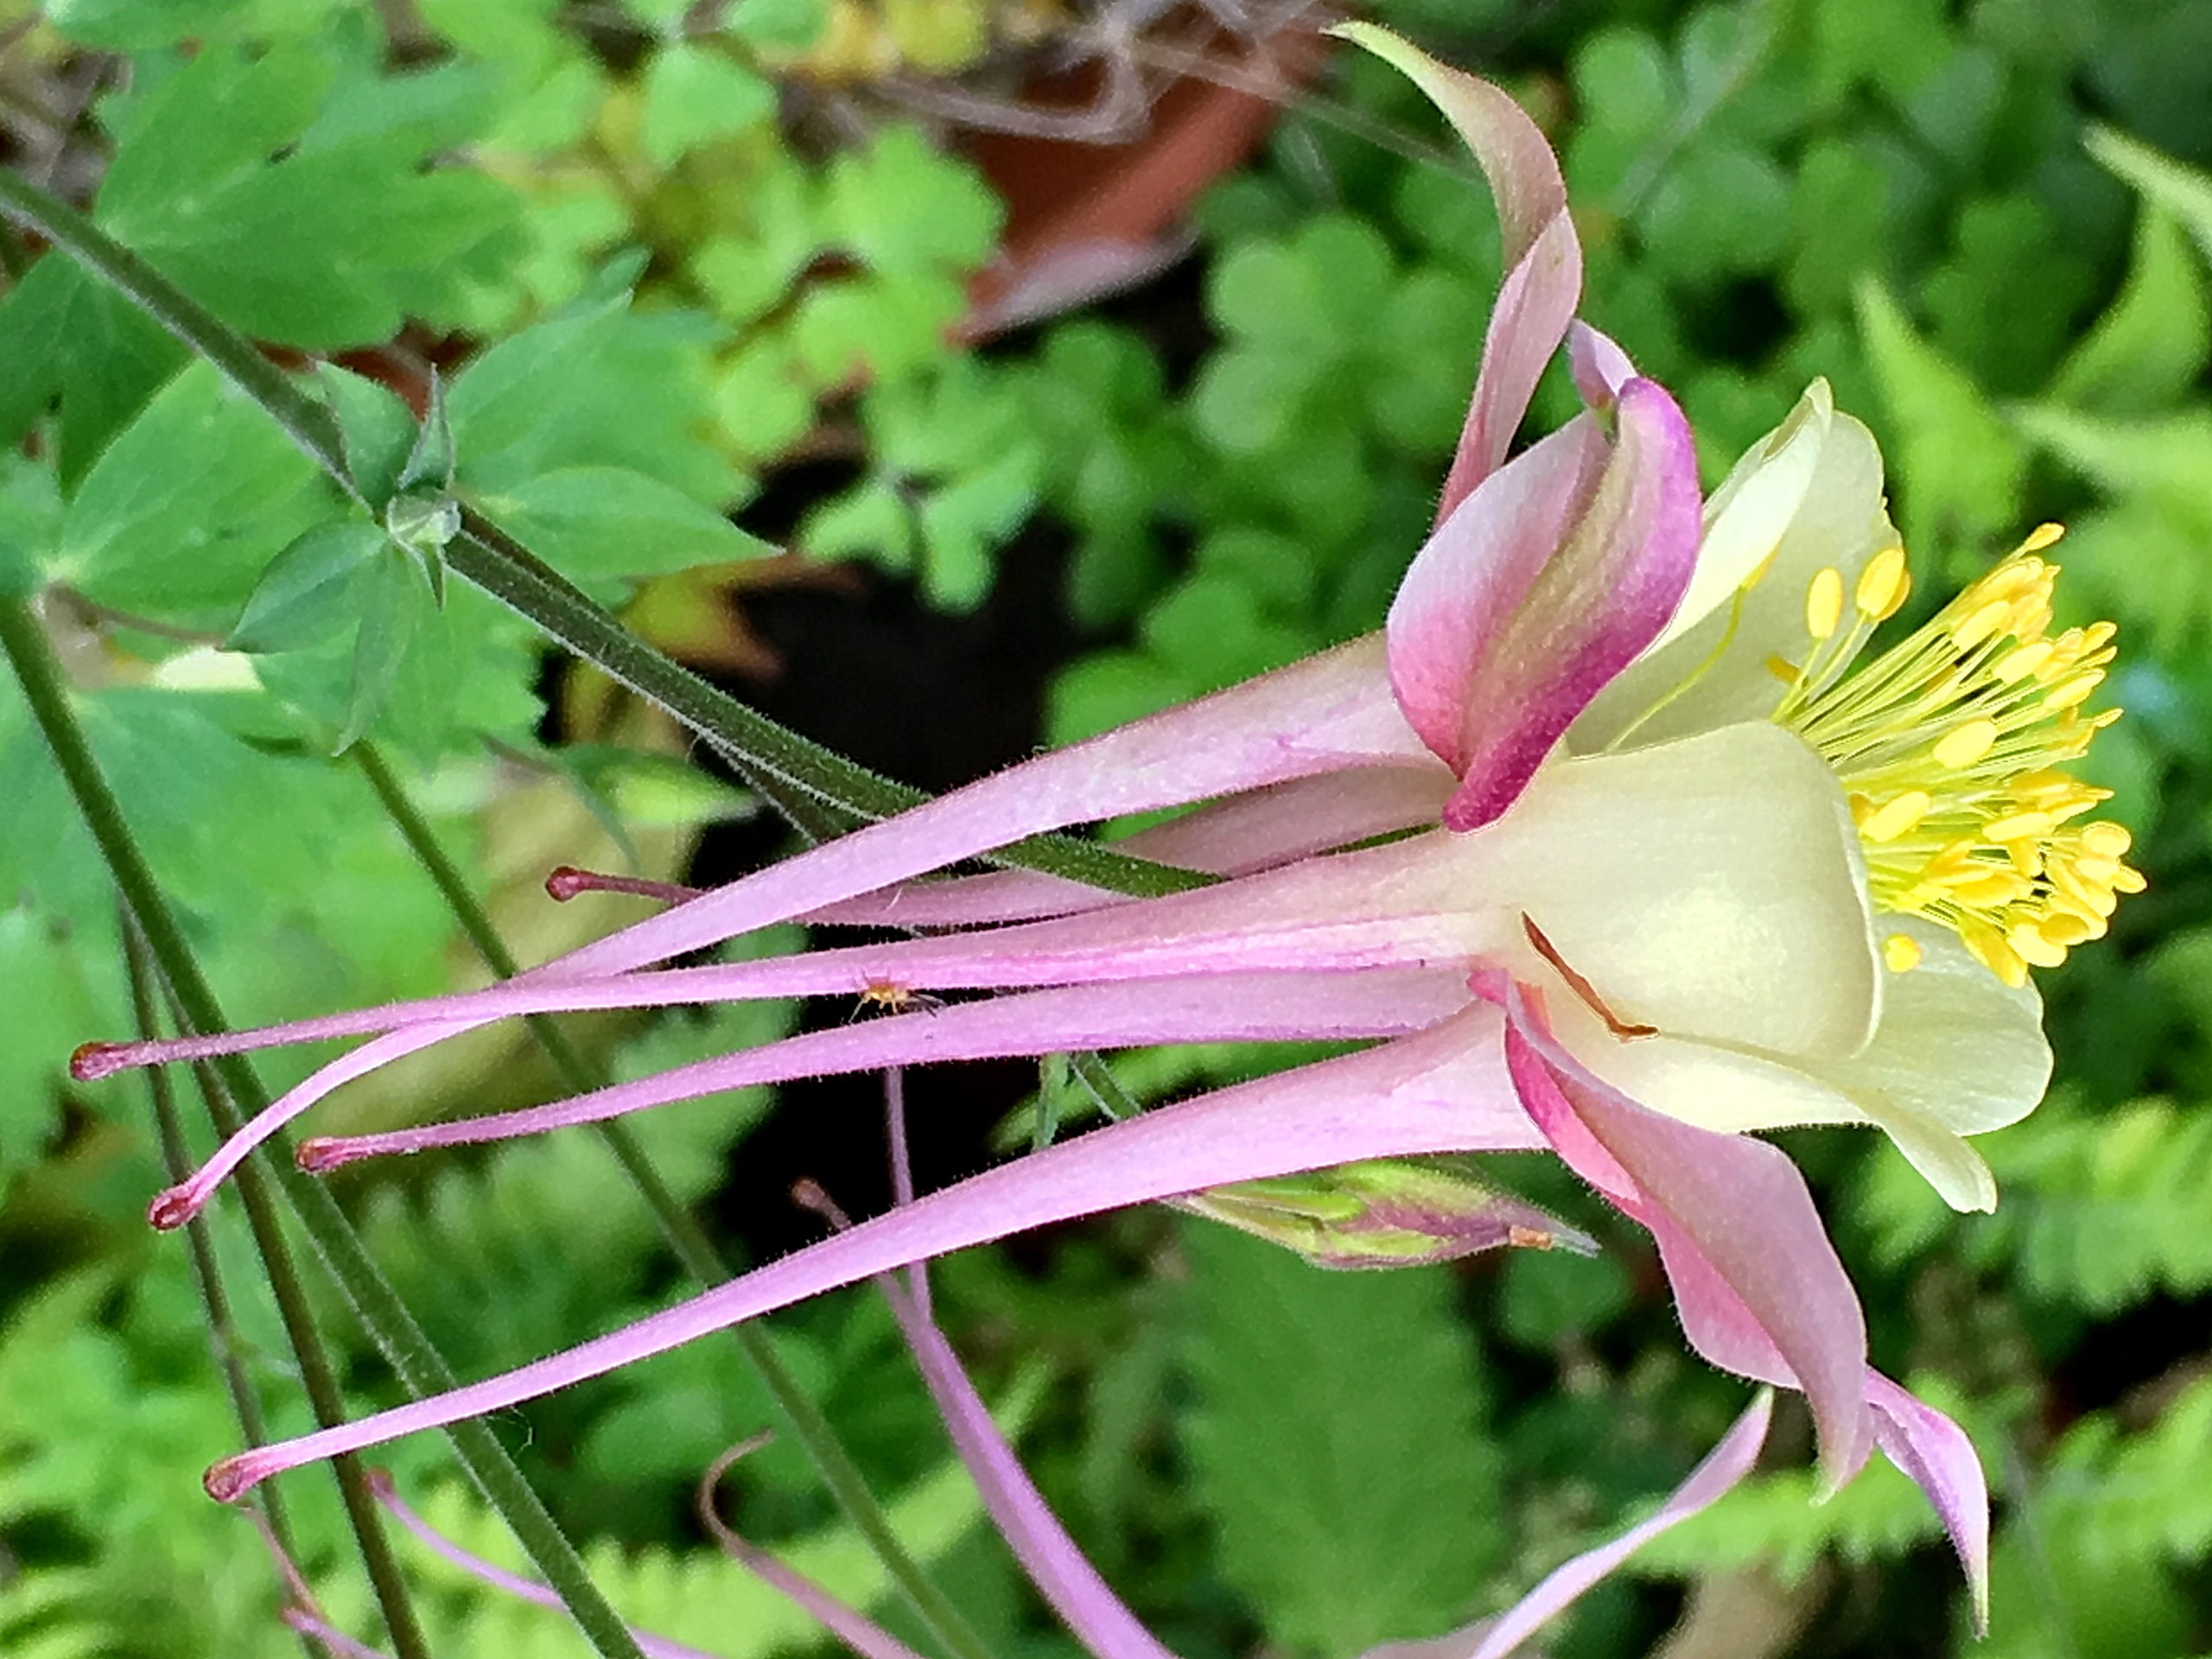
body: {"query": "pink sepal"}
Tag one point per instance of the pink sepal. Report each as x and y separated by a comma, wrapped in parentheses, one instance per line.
(1600, 367)
(1758, 1286)
(1535, 303)
(1246, 833)
(1936, 1454)
(1713, 1479)
(1444, 1089)
(1548, 581)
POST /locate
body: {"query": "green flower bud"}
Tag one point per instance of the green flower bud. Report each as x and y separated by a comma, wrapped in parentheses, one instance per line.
(1386, 1213)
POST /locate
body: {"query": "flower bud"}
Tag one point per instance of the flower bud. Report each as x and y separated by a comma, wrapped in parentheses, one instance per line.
(1386, 1213)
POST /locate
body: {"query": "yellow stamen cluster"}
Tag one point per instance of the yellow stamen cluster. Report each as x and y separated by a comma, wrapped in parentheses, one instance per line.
(1950, 747)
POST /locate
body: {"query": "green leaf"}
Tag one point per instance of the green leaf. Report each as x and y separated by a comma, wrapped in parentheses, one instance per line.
(2180, 190)
(1894, 44)
(1960, 470)
(1548, 1295)
(602, 525)
(430, 459)
(395, 603)
(1248, 398)
(1999, 305)
(1838, 208)
(1721, 211)
(779, 25)
(694, 96)
(872, 519)
(307, 594)
(64, 337)
(1337, 1444)
(2149, 348)
(181, 515)
(963, 523)
(763, 403)
(905, 209)
(329, 245)
(599, 385)
(378, 429)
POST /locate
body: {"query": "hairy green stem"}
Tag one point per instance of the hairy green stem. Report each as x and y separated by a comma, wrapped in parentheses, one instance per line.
(421, 1369)
(684, 1235)
(206, 1272)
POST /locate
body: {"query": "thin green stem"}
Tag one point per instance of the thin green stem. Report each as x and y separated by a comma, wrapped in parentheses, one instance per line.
(306, 418)
(421, 1369)
(786, 767)
(206, 1272)
(774, 758)
(684, 1235)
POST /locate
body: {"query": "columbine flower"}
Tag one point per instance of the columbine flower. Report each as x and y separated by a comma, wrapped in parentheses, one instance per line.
(1605, 836)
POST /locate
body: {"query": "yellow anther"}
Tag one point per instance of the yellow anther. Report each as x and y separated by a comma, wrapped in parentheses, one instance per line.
(2029, 944)
(2021, 661)
(2047, 784)
(1783, 669)
(1962, 745)
(2041, 536)
(1894, 816)
(1990, 949)
(1994, 888)
(2075, 690)
(1901, 953)
(1954, 752)
(1982, 624)
(2093, 897)
(2107, 839)
(2061, 932)
(1824, 603)
(2031, 616)
(1883, 585)
(2018, 826)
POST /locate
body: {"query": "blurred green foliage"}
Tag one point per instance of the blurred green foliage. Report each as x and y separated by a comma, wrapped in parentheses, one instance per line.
(653, 271)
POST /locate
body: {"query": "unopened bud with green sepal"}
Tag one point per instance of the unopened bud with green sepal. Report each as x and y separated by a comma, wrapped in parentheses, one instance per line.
(1386, 1213)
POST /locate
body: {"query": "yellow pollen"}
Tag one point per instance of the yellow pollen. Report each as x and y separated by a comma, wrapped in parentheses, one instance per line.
(1964, 745)
(1883, 585)
(1952, 749)
(1892, 818)
(1783, 669)
(1824, 603)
